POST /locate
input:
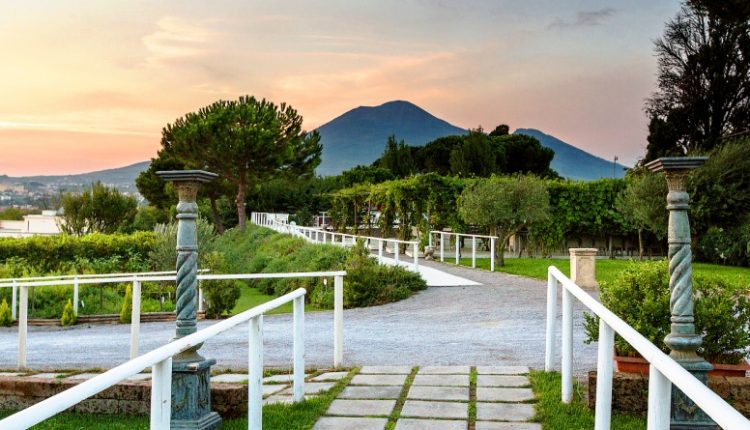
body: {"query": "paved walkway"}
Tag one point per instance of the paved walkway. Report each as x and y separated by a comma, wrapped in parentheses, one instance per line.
(500, 322)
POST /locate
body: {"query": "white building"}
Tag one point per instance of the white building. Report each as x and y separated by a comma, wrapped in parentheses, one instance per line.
(45, 223)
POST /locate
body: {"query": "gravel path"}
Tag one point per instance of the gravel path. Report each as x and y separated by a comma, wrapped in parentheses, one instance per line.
(500, 322)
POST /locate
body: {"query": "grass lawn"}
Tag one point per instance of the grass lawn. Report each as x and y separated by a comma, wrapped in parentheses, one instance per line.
(300, 416)
(606, 269)
(251, 297)
(555, 415)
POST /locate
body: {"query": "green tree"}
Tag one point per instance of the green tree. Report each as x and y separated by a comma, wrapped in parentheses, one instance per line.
(476, 156)
(397, 157)
(504, 205)
(247, 141)
(365, 174)
(98, 209)
(500, 130)
(703, 90)
(643, 205)
(12, 214)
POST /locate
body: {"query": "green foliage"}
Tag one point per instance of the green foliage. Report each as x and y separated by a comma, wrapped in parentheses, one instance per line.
(640, 296)
(53, 253)
(69, 316)
(220, 295)
(504, 205)
(12, 214)
(642, 204)
(365, 174)
(397, 157)
(300, 198)
(126, 313)
(98, 209)
(247, 141)
(728, 246)
(6, 316)
(148, 217)
(162, 254)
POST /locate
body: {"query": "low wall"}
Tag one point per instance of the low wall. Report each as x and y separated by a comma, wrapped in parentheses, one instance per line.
(630, 392)
(126, 398)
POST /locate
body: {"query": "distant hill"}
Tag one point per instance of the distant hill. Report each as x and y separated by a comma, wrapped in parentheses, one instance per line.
(359, 136)
(571, 162)
(122, 177)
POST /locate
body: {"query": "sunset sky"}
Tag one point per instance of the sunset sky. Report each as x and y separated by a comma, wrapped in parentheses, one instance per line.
(88, 84)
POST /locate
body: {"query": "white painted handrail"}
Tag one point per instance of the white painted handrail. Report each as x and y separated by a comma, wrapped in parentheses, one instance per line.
(664, 371)
(317, 235)
(137, 280)
(160, 360)
(474, 237)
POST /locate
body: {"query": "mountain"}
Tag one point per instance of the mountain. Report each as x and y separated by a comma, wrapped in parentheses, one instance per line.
(122, 177)
(359, 135)
(571, 162)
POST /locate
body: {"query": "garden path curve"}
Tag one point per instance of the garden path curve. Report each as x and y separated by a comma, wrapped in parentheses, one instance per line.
(498, 322)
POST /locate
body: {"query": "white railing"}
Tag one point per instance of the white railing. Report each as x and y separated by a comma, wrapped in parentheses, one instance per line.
(664, 371)
(160, 361)
(13, 284)
(458, 236)
(318, 235)
(137, 279)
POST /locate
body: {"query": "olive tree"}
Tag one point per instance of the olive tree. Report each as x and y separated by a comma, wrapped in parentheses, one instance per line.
(504, 205)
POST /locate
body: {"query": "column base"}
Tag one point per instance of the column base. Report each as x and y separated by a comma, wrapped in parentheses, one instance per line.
(191, 396)
(686, 415)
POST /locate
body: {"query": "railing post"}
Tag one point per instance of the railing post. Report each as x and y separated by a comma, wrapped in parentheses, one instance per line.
(604, 372)
(429, 239)
(492, 254)
(23, 321)
(135, 319)
(442, 246)
(549, 356)
(396, 249)
(380, 250)
(567, 346)
(474, 252)
(161, 395)
(338, 321)
(14, 301)
(659, 400)
(458, 247)
(200, 297)
(416, 256)
(75, 295)
(298, 326)
(255, 375)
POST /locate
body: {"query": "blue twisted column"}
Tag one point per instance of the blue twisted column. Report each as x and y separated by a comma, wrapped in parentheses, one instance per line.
(191, 373)
(682, 340)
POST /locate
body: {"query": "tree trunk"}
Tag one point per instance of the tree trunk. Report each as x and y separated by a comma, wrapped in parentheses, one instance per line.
(240, 201)
(611, 252)
(215, 214)
(640, 244)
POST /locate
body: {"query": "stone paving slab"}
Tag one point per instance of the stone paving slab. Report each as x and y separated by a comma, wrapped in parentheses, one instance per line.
(46, 375)
(278, 398)
(502, 370)
(140, 377)
(281, 378)
(444, 370)
(385, 370)
(497, 394)
(438, 393)
(422, 409)
(420, 424)
(10, 374)
(310, 388)
(372, 392)
(378, 380)
(502, 381)
(504, 411)
(341, 423)
(330, 376)
(488, 425)
(236, 378)
(442, 380)
(363, 408)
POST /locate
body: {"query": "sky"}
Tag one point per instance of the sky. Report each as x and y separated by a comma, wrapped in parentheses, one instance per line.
(89, 84)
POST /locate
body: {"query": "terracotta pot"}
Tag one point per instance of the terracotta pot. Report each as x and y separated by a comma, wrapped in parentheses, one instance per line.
(640, 365)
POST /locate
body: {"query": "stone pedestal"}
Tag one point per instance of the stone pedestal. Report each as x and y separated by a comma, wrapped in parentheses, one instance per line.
(583, 267)
(191, 396)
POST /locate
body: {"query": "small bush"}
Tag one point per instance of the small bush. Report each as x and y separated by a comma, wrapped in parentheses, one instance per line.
(68, 315)
(126, 313)
(640, 296)
(220, 296)
(6, 317)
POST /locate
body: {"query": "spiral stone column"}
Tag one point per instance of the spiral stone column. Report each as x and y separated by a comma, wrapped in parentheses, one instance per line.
(682, 339)
(191, 373)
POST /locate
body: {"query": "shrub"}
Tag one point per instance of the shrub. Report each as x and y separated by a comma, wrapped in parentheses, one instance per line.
(640, 296)
(68, 315)
(126, 313)
(728, 246)
(220, 295)
(6, 317)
